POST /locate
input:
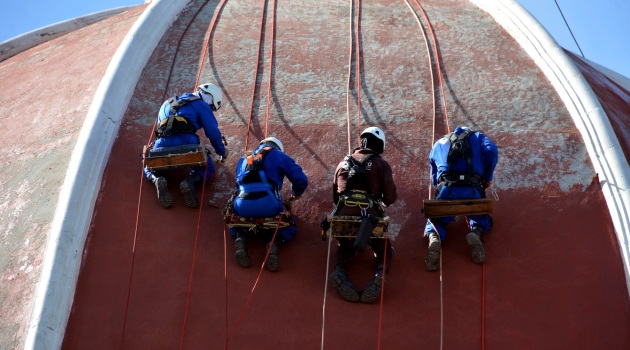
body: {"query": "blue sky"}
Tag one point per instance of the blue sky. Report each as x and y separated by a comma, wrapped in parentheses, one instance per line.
(601, 28)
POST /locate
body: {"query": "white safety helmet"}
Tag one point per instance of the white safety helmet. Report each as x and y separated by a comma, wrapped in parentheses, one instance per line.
(216, 96)
(376, 132)
(275, 141)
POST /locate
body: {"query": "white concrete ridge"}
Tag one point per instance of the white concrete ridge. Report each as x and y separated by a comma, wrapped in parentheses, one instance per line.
(601, 142)
(33, 38)
(56, 288)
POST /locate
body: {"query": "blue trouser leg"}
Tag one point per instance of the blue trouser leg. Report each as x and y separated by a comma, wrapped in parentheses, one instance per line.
(457, 192)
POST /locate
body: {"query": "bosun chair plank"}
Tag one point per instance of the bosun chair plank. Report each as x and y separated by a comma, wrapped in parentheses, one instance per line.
(174, 157)
(348, 226)
(435, 208)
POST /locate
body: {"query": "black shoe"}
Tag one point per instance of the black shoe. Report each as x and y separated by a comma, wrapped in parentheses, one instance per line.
(477, 253)
(339, 280)
(187, 187)
(242, 256)
(433, 253)
(373, 291)
(272, 259)
(164, 196)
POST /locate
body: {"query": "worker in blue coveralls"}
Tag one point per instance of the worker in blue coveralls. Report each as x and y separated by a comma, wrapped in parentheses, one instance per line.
(259, 178)
(462, 167)
(178, 121)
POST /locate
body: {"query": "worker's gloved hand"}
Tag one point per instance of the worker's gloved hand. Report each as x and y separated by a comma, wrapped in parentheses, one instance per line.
(486, 184)
(225, 155)
(325, 225)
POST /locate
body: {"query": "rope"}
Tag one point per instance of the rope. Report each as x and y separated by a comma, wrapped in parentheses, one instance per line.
(569, 28)
(271, 61)
(440, 78)
(136, 228)
(225, 275)
(434, 118)
(483, 307)
(349, 75)
(260, 44)
(251, 295)
(325, 291)
(380, 308)
(133, 258)
(357, 43)
(267, 117)
(194, 260)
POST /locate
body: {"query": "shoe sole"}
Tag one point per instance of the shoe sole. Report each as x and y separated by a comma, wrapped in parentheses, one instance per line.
(345, 290)
(164, 196)
(190, 197)
(242, 256)
(433, 256)
(272, 262)
(477, 253)
(373, 291)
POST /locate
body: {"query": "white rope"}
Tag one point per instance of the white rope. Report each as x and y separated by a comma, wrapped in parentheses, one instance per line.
(326, 286)
(349, 74)
(424, 35)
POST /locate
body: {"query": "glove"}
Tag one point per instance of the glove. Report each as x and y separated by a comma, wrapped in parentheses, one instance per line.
(486, 184)
(325, 225)
(225, 155)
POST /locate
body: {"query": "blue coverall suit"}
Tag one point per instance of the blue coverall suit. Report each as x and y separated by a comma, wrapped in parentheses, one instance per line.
(200, 115)
(277, 165)
(484, 159)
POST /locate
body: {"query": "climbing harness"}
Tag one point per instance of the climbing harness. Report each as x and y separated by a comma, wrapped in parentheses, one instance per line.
(253, 182)
(176, 124)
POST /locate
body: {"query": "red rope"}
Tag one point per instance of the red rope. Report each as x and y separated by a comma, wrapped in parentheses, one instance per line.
(135, 235)
(483, 306)
(267, 117)
(271, 61)
(438, 63)
(211, 28)
(225, 275)
(133, 258)
(380, 310)
(260, 44)
(440, 77)
(251, 294)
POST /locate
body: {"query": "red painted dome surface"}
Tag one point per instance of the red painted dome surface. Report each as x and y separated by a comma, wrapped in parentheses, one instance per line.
(161, 279)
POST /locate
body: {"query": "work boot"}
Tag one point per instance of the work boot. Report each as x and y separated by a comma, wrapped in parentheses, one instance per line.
(433, 253)
(242, 256)
(373, 291)
(164, 196)
(477, 253)
(187, 187)
(339, 280)
(272, 258)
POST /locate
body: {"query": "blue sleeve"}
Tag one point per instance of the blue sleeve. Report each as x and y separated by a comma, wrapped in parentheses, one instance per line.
(293, 172)
(210, 126)
(490, 155)
(438, 159)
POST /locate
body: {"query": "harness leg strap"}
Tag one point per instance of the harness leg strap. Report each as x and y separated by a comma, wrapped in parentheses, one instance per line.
(368, 223)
